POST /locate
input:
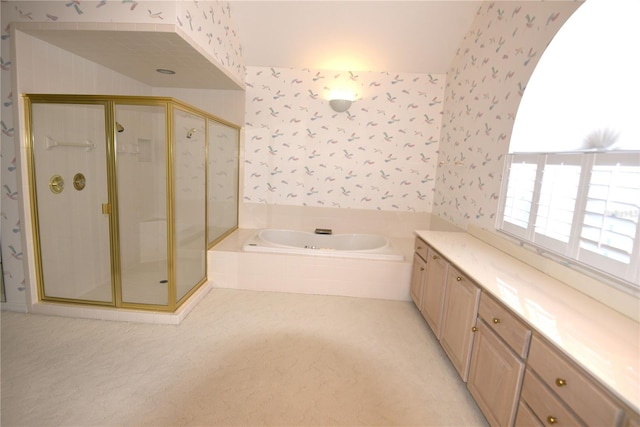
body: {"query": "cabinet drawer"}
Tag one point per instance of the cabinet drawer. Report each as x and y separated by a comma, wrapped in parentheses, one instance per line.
(505, 324)
(575, 388)
(526, 418)
(545, 405)
(421, 248)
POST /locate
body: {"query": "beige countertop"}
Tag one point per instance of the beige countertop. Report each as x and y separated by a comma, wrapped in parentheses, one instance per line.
(601, 340)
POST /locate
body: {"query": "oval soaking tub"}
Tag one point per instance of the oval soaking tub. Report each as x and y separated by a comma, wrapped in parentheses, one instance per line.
(365, 246)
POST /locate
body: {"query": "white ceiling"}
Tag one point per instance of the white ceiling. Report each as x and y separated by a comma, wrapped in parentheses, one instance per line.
(395, 36)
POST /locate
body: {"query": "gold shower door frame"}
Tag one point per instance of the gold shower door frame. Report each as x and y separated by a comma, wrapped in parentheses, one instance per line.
(53, 190)
(111, 207)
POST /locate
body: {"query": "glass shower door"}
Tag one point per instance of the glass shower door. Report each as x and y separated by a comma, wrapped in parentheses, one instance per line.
(70, 185)
(189, 140)
(222, 198)
(141, 158)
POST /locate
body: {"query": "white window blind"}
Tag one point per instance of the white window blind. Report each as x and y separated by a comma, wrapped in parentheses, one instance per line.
(581, 206)
(520, 191)
(556, 203)
(609, 232)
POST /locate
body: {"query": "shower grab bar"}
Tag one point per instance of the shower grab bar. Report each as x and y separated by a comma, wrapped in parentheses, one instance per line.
(51, 143)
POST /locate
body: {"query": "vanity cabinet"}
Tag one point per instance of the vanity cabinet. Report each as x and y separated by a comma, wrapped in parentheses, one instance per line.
(434, 291)
(417, 279)
(460, 310)
(559, 393)
(526, 417)
(418, 274)
(633, 420)
(448, 301)
(516, 376)
(428, 284)
(497, 367)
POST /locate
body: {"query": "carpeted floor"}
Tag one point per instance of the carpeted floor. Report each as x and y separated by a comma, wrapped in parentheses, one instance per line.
(240, 358)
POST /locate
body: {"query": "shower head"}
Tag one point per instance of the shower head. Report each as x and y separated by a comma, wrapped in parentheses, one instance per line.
(119, 127)
(190, 133)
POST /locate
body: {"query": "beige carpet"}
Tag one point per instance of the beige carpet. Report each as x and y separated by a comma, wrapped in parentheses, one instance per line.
(240, 358)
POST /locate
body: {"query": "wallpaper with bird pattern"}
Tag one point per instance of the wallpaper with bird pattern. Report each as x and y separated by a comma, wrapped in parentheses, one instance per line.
(485, 83)
(207, 23)
(379, 154)
(384, 151)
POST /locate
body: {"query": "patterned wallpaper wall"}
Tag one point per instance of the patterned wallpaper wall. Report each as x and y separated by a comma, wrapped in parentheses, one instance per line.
(381, 154)
(484, 87)
(207, 23)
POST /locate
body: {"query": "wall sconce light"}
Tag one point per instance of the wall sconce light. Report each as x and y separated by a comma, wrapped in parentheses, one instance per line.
(340, 105)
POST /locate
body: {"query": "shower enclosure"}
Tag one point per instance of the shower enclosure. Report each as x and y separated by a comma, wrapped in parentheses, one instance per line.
(127, 195)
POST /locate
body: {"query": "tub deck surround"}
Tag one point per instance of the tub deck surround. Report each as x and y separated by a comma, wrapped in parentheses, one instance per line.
(599, 339)
(231, 267)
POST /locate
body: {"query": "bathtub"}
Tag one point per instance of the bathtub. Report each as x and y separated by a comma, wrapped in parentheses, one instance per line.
(234, 263)
(361, 246)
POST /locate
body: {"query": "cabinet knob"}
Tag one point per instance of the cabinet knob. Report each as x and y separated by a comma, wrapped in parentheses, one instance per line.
(496, 320)
(552, 420)
(560, 382)
(474, 329)
(421, 268)
(458, 278)
(419, 247)
(434, 257)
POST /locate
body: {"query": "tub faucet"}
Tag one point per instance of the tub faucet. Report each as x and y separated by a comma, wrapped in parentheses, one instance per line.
(323, 231)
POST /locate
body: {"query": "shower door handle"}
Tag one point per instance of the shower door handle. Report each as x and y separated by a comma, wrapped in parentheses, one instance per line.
(106, 208)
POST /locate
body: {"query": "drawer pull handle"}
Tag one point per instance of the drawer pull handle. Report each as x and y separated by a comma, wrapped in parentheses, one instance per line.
(458, 278)
(552, 420)
(496, 320)
(421, 268)
(419, 248)
(474, 329)
(560, 382)
(434, 257)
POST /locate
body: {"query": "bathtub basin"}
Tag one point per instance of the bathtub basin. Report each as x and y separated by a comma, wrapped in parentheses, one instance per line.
(364, 246)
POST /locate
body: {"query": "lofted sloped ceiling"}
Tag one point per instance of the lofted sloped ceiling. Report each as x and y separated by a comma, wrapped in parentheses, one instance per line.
(394, 36)
(137, 54)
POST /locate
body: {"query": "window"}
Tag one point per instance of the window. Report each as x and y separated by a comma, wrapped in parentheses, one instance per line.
(581, 206)
(571, 183)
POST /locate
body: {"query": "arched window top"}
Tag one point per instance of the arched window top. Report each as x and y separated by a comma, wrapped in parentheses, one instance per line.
(585, 91)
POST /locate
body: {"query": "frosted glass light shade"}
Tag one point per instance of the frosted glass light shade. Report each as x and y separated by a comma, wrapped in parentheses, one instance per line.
(340, 105)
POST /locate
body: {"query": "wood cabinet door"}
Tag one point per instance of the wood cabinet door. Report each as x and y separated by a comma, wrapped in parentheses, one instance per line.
(434, 291)
(460, 311)
(495, 376)
(417, 279)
